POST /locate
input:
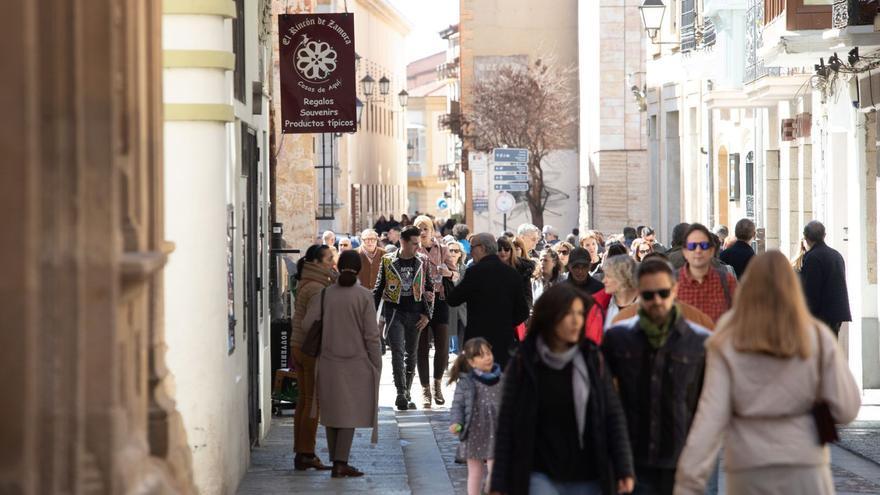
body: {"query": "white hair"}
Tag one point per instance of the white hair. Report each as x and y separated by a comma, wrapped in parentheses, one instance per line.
(367, 232)
(527, 228)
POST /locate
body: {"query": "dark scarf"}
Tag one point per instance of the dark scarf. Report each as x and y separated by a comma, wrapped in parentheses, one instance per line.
(488, 377)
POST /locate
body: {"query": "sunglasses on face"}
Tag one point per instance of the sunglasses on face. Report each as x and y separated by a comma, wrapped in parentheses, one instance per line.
(692, 246)
(454, 250)
(648, 295)
(563, 252)
(504, 249)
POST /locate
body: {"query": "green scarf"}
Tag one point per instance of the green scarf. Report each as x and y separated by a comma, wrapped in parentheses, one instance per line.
(657, 334)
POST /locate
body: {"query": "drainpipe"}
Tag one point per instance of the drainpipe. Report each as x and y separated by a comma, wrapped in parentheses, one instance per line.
(711, 159)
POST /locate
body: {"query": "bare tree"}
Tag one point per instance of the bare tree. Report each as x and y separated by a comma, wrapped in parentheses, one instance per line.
(532, 107)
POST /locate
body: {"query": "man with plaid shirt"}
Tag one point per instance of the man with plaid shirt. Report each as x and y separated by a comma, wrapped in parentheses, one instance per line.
(700, 284)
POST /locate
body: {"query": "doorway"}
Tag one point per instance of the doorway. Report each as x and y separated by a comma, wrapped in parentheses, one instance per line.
(250, 241)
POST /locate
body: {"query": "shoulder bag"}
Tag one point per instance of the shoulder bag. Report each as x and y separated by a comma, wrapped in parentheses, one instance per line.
(821, 411)
(312, 345)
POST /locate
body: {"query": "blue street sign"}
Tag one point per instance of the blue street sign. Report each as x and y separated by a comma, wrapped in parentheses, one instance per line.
(512, 186)
(512, 178)
(512, 168)
(518, 155)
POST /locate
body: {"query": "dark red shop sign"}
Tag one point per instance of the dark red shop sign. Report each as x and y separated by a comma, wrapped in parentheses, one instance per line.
(317, 73)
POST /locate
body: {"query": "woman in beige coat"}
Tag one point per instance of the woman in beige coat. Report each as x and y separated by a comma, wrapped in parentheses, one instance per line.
(766, 364)
(350, 362)
(314, 272)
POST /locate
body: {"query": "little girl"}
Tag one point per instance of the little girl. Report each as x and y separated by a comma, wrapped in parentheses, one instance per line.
(475, 407)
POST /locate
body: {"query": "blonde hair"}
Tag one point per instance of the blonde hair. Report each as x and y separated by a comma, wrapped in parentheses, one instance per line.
(769, 313)
(423, 220)
(590, 234)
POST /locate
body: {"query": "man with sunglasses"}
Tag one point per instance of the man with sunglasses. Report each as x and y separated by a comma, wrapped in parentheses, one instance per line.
(657, 359)
(702, 284)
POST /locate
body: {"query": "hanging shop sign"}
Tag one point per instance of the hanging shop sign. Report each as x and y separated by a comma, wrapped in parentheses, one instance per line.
(317, 64)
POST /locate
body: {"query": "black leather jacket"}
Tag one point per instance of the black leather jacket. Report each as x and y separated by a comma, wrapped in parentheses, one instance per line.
(659, 389)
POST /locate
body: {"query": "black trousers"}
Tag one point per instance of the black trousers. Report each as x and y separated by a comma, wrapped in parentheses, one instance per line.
(654, 481)
(403, 339)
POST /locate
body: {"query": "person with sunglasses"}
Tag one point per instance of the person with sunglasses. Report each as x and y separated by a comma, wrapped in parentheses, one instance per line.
(657, 359)
(701, 283)
(563, 249)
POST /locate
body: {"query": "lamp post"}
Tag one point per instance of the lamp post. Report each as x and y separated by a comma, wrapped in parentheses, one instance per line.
(403, 98)
(384, 85)
(359, 109)
(367, 84)
(652, 18)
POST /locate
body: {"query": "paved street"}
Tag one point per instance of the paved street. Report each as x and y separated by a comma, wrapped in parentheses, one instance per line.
(413, 444)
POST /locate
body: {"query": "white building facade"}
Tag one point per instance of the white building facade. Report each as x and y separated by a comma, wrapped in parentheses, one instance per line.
(216, 55)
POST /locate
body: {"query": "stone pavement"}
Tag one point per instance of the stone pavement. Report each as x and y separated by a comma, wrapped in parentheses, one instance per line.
(416, 454)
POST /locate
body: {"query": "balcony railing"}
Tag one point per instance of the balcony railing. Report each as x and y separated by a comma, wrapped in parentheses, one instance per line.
(448, 70)
(799, 16)
(446, 171)
(853, 13)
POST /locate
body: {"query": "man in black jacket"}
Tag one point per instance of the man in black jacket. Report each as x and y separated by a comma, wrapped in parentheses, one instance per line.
(579, 272)
(740, 253)
(493, 293)
(658, 360)
(824, 278)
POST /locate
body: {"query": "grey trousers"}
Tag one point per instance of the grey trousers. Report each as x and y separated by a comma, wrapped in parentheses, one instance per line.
(339, 442)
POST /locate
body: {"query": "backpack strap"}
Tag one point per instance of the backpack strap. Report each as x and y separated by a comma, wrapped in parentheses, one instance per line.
(725, 285)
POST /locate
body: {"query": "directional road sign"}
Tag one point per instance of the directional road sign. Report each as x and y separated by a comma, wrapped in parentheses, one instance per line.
(512, 178)
(512, 167)
(512, 186)
(517, 155)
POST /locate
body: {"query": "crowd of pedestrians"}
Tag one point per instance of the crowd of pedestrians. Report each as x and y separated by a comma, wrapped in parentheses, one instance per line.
(593, 364)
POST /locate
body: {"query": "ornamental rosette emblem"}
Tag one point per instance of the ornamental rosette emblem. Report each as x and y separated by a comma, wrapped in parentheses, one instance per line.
(314, 60)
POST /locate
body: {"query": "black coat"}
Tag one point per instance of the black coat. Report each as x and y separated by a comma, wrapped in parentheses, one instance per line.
(738, 256)
(659, 388)
(824, 280)
(494, 296)
(515, 438)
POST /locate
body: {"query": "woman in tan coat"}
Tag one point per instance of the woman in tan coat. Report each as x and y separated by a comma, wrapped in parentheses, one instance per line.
(767, 363)
(350, 362)
(314, 272)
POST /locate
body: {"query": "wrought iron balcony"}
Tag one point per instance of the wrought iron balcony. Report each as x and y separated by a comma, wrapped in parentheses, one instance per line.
(452, 121)
(448, 70)
(853, 13)
(447, 171)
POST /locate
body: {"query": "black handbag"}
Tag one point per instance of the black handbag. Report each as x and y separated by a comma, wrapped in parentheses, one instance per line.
(821, 411)
(312, 345)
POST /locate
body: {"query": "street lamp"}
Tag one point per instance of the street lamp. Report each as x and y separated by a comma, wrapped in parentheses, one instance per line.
(359, 109)
(368, 82)
(403, 97)
(652, 16)
(384, 86)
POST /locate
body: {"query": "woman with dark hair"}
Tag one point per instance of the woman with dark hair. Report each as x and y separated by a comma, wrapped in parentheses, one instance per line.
(314, 271)
(561, 428)
(551, 272)
(519, 260)
(350, 362)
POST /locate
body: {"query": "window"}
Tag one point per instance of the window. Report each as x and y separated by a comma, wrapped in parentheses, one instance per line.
(733, 170)
(325, 176)
(415, 150)
(238, 48)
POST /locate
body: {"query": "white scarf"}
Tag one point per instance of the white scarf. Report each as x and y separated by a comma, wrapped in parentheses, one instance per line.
(580, 379)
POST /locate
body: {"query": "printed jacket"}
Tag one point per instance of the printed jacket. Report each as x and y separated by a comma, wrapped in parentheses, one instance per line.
(388, 283)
